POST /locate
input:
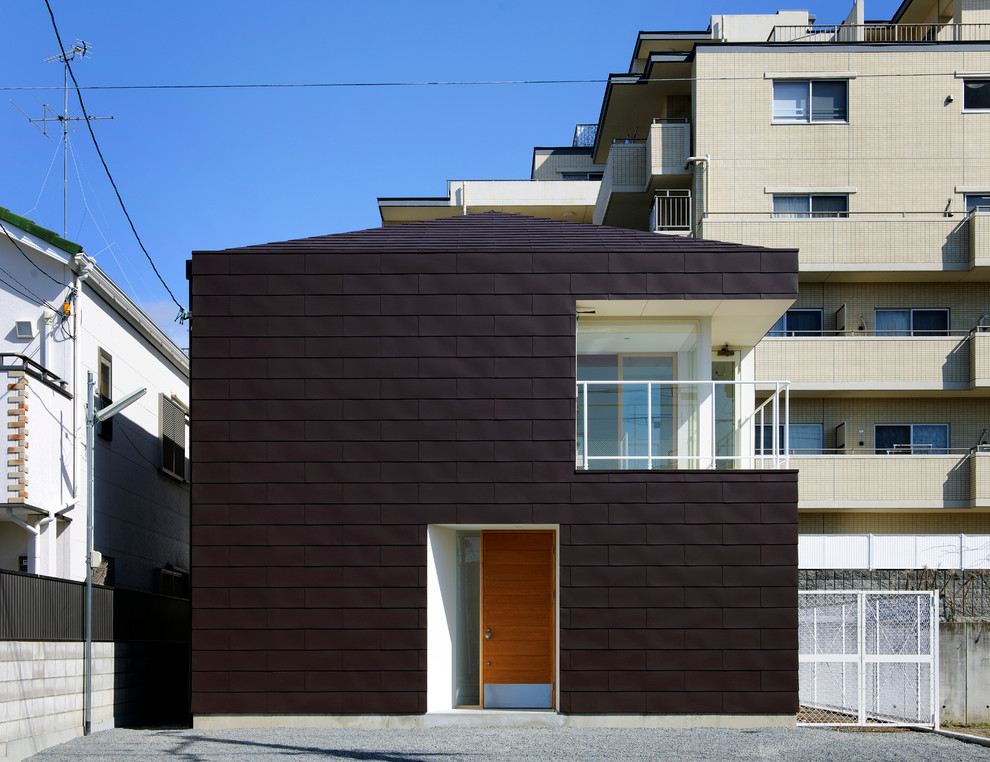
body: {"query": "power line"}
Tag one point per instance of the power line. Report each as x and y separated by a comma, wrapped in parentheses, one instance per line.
(37, 267)
(183, 313)
(450, 83)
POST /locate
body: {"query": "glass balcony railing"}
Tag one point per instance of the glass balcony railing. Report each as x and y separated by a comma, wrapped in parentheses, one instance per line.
(647, 425)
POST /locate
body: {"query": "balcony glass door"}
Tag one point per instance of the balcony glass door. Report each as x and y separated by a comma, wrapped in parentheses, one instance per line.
(647, 411)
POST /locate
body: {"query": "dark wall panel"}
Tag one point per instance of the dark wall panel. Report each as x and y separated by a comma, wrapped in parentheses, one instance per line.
(350, 390)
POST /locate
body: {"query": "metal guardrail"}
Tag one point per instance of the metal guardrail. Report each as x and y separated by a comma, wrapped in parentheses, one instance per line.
(879, 33)
(635, 451)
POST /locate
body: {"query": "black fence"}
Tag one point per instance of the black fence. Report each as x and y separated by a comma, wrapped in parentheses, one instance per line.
(150, 633)
(964, 594)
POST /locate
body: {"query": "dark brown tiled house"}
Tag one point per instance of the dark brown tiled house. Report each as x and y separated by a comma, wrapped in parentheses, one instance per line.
(470, 462)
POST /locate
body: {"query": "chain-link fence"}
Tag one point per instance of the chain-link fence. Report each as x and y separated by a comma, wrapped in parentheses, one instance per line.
(867, 658)
(964, 594)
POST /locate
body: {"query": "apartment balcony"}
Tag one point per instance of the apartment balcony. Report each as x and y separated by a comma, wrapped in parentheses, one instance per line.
(880, 32)
(634, 165)
(868, 243)
(649, 425)
(892, 482)
(860, 362)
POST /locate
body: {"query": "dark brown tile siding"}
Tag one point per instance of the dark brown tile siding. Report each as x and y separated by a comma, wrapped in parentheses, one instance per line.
(350, 390)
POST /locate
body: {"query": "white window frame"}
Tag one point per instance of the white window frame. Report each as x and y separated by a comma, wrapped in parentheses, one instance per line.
(178, 418)
(983, 203)
(811, 213)
(778, 117)
(909, 448)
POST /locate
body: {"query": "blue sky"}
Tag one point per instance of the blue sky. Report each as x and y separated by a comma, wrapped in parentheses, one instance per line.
(211, 169)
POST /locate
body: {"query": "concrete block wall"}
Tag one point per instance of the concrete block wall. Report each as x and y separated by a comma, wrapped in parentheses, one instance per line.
(964, 664)
(41, 694)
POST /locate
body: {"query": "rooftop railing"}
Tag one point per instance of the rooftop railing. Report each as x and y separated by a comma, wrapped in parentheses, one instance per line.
(652, 425)
(880, 33)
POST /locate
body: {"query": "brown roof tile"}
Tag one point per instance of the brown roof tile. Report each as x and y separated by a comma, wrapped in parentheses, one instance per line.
(495, 232)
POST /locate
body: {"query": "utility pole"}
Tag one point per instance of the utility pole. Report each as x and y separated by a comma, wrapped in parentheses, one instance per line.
(65, 119)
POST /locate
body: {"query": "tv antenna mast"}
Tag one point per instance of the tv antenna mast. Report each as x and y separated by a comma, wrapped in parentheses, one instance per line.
(66, 118)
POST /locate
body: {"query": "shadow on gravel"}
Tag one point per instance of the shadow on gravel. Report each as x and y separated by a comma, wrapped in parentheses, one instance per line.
(182, 750)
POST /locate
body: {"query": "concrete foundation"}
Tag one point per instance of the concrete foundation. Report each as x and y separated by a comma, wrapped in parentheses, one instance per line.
(964, 672)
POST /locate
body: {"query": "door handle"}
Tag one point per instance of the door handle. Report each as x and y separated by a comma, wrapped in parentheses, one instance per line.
(488, 633)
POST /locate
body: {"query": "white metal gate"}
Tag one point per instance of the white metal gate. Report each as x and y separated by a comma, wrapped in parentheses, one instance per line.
(868, 658)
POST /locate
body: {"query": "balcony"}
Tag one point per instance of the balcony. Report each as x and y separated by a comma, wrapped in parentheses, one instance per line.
(633, 163)
(866, 243)
(647, 425)
(861, 362)
(891, 482)
(880, 32)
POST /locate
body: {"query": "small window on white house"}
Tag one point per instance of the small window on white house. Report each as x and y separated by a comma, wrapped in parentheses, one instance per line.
(173, 438)
(816, 100)
(911, 439)
(804, 205)
(905, 322)
(104, 392)
(976, 95)
(799, 322)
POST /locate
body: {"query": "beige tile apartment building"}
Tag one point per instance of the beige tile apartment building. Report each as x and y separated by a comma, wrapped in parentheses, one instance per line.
(866, 145)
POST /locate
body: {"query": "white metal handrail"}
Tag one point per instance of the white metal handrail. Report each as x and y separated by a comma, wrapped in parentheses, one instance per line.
(778, 454)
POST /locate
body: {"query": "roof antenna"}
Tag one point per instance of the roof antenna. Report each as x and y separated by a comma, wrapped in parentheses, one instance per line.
(49, 114)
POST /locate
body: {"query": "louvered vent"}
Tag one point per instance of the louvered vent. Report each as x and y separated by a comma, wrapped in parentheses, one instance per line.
(173, 438)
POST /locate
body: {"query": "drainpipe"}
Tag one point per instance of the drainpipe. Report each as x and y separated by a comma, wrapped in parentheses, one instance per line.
(34, 530)
(707, 159)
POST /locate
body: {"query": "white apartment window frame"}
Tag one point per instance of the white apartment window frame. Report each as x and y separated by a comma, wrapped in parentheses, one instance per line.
(912, 447)
(810, 212)
(579, 174)
(981, 100)
(172, 422)
(804, 112)
(780, 329)
(911, 330)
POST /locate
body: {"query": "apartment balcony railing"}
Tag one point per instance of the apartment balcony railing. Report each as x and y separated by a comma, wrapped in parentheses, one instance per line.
(959, 479)
(880, 33)
(894, 551)
(854, 360)
(671, 211)
(649, 425)
(865, 242)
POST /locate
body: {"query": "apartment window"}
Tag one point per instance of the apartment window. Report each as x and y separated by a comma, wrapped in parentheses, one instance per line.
(805, 438)
(104, 392)
(788, 206)
(798, 323)
(911, 322)
(911, 438)
(977, 200)
(172, 435)
(816, 100)
(976, 95)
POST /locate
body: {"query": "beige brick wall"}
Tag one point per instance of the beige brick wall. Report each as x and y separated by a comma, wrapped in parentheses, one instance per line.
(548, 166)
(967, 417)
(668, 148)
(819, 522)
(858, 481)
(904, 148)
(864, 362)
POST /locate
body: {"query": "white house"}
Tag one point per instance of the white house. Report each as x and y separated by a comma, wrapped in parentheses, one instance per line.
(64, 318)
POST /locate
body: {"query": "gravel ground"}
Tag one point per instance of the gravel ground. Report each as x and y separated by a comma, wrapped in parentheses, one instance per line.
(463, 744)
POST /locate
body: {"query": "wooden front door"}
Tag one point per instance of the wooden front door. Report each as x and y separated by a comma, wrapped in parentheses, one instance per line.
(518, 622)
